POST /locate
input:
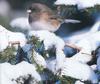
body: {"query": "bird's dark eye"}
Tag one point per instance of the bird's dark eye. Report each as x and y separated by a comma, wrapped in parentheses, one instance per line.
(53, 18)
(32, 9)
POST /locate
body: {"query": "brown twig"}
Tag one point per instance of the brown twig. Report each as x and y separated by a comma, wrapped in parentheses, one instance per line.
(14, 43)
(72, 46)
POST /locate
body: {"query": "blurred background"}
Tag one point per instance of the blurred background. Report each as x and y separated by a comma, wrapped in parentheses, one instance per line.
(11, 9)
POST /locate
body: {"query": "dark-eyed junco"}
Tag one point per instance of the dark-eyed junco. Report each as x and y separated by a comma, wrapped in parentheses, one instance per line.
(42, 17)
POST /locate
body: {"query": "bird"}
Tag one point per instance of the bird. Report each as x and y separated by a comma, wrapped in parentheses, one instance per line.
(41, 17)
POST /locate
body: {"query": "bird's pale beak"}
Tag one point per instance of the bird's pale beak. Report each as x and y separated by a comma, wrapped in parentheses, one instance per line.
(29, 11)
(71, 21)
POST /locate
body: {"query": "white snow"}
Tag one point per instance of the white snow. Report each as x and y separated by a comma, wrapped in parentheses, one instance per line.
(94, 67)
(82, 56)
(76, 37)
(79, 82)
(51, 63)
(78, 70)
(98, 63)
(39, 59)
(7, 37)
(65, 2)
(50, 40)
(87, 42)
(9, 72)
(69, 66)
(21, 23)
(3, 40)
(80, 3)
(86, 3)
(92, 39)
(74, 69)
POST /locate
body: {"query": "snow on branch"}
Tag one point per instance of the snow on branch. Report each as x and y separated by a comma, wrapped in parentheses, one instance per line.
(74, 66)
(51, 40)
(10, 73)
(82, 4)
(62, 65)
(7, 37)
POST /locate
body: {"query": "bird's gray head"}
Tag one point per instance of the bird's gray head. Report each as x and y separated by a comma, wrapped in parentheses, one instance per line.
(36, 10)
